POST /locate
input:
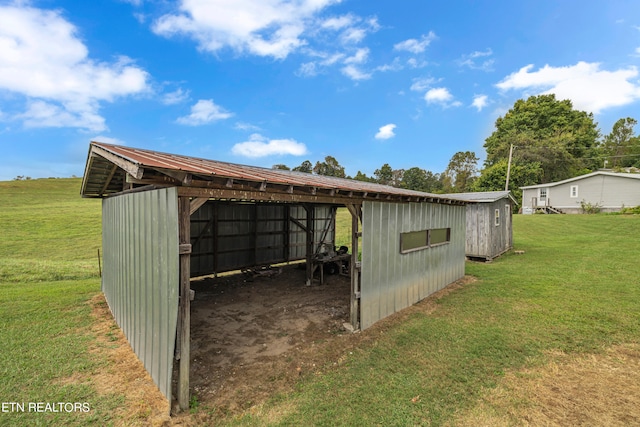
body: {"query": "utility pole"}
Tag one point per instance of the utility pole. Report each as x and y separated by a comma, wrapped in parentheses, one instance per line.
(506, 186)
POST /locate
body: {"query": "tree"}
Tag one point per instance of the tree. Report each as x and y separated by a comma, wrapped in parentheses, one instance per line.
(493, 178)
(304, 167)
(621, 148)
(330, 167)
(421, 180)
(546, 131)
(281, 167)
(384, 175)
(363, 177)
(461, 171)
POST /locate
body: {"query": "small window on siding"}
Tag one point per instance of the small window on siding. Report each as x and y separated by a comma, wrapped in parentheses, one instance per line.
(574, 191)
(413, 241)
(507, 210)
(497, 217)
(423, 239)
(439, 236)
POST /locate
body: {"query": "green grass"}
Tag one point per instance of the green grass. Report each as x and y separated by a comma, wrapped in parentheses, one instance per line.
(48, 271)
(576, 289)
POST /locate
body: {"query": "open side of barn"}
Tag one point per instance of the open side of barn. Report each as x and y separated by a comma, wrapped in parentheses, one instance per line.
(168, 218)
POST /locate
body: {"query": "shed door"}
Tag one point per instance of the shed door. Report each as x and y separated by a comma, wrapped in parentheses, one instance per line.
(141, 275)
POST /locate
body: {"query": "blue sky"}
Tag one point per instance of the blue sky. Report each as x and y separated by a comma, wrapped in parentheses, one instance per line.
(261, 82)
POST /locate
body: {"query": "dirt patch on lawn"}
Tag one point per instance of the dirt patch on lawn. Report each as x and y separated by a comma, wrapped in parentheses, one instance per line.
(125, 374)
(570, 390)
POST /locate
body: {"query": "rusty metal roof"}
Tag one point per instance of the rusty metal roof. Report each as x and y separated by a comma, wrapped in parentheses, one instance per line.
(110, 167)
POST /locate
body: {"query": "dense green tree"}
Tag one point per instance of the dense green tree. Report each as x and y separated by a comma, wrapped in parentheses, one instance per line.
(546, 131)
(363, 177)
(461, 171)
(281, 167)
(419, 179)
(384, 175)
(621, 148)
(305, 166)
(330, 167)
(493, 178)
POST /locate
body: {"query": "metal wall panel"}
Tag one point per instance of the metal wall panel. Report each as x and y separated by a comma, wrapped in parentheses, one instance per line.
(141, 275)
(391, 280)
(230, 236)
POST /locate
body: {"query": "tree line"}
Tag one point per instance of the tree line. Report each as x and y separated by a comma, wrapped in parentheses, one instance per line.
(548, 140)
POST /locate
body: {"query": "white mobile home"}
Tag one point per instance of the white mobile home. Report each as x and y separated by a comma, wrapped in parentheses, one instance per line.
(604, 190)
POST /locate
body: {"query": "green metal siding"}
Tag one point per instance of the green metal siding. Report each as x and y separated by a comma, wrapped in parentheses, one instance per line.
(141, 275)
(392, 281)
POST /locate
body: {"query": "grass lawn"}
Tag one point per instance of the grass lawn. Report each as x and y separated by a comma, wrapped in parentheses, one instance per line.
(575, 290)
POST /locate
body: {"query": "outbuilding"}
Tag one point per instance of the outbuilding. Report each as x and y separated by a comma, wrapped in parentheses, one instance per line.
(489, 226)
(167, 218)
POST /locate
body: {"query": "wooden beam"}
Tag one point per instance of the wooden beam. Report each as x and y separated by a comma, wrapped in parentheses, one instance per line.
(196, 203)
(258, 196)
(184, 177)
(132, 168)
(114, 168)
(184, 310)
(309, 246)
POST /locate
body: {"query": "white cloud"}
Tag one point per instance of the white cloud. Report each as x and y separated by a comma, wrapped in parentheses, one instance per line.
(359, 57)
(441, 96)
(246, 126)
(416, 46)
(260, 146)
(339, 22)
(394, 66)
(262, 27)
(423, 83)
(585, 84)
(43, 59)
(480, 101)
(386, 131)
(175, 97)
(354, 73)
(471, 60)
(203, 112)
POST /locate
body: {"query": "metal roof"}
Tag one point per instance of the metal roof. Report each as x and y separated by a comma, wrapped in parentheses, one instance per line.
(112, 168)
(482, 196)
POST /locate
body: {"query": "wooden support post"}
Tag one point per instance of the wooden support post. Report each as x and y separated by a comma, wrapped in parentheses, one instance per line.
(184, 311)
(356, 215)
(310, 232)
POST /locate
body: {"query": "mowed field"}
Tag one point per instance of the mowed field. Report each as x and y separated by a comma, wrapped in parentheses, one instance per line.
(549, 337)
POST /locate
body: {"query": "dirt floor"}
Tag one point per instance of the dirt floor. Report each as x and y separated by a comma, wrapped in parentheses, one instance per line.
(250, 337)
(254, 339)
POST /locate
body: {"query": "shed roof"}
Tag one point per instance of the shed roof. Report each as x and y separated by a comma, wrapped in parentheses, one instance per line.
(482, 196)
(111, 169)
(577, 178)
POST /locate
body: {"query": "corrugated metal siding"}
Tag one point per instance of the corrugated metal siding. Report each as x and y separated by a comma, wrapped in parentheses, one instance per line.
(230, 236)
(392, 281)
(141, 275)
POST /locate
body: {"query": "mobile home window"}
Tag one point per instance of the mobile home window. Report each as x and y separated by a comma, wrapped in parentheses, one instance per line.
(574, 191)
(497, 217)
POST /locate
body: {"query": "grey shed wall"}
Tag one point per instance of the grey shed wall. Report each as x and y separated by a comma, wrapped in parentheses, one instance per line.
(229, 236)
(485, 239)
(390, 280)
(141, 275)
